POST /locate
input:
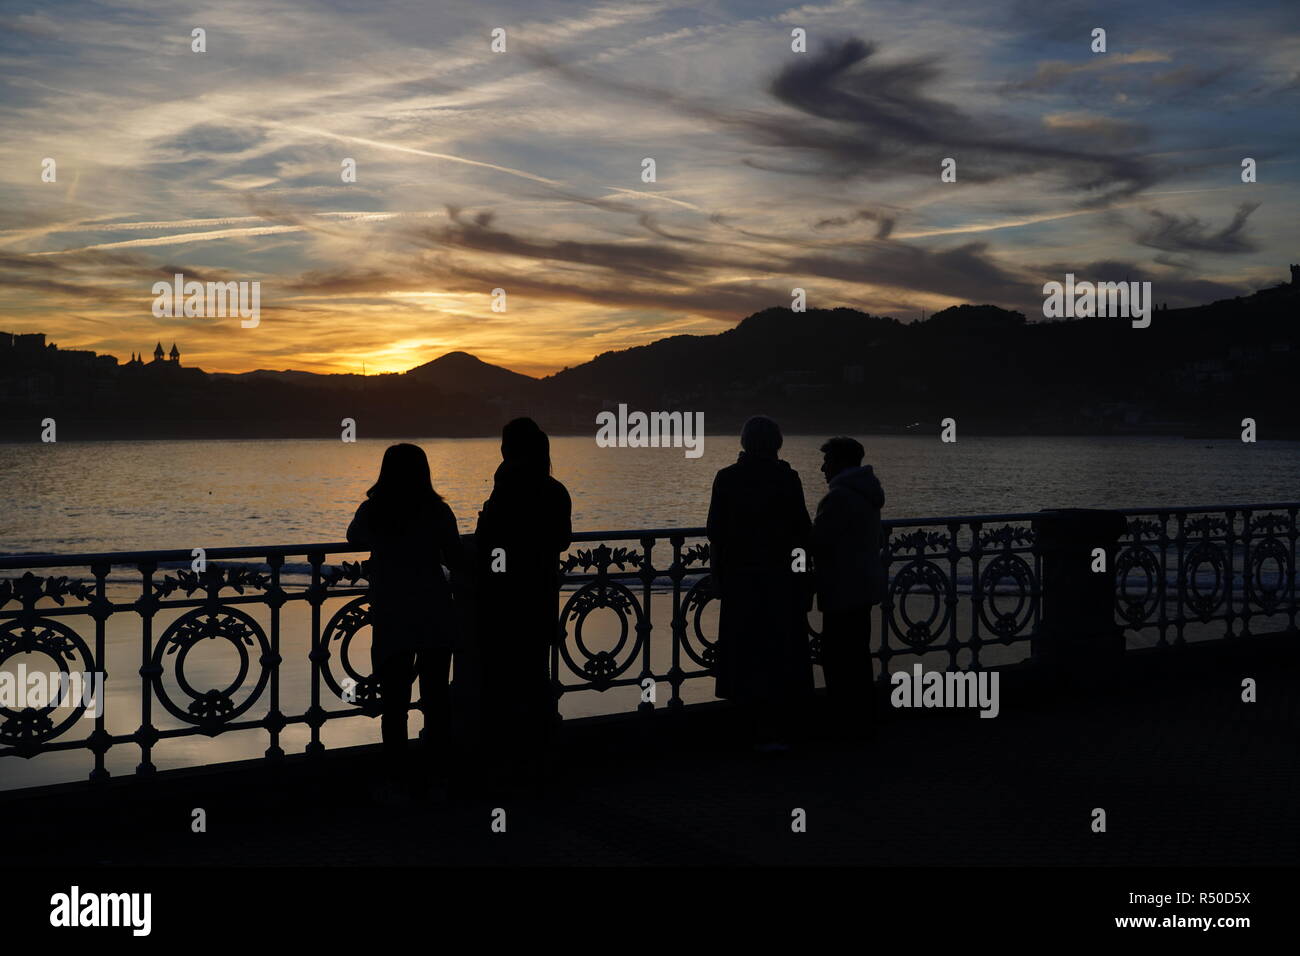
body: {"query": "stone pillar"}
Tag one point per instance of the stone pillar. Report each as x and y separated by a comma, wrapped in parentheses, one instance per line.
(1078, 639)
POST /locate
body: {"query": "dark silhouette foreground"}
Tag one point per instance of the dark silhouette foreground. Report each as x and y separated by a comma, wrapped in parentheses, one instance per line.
(501, 626)
(757, 522)
(411, 534)
(768, 559)
(522, 530)
(851, 578)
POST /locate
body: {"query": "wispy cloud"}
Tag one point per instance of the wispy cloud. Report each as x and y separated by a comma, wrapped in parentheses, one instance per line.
(1173, 233)
(522, 170)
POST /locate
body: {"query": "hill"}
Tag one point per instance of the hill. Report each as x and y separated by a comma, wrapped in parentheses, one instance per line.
(466, 374)
(1193, 371)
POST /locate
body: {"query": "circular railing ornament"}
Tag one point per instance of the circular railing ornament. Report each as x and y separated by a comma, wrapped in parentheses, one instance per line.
(1204, 603)
(601, 668)
(28, 727)
(1268, 597)
(216, 706)
(695, 642)
(346, 623)
(1007, 623)
(921, 579)
(1135, 607)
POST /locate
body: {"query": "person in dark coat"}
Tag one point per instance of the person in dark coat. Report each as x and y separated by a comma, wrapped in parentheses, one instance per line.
(757, 518)
(523, 528)
(411, 534)
(850, 579)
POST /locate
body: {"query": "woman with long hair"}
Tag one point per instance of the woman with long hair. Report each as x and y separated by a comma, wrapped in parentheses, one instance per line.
(523, 528)
(411, 534)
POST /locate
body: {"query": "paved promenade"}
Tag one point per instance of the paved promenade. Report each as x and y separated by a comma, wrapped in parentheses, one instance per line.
(1188, 775)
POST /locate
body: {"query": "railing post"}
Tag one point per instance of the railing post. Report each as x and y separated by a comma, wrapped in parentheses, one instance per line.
(978, 597)
(147, 735)
(886, 603)
(275, 722)
(316, 595)
(1079, 638)
(100, 739)
(675, 675)
(645, 627)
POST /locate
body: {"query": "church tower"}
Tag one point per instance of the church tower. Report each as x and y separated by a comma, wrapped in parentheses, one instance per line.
(158, 352)
(175, 355)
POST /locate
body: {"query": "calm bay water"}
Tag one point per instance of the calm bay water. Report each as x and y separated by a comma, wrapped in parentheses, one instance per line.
(116, 496)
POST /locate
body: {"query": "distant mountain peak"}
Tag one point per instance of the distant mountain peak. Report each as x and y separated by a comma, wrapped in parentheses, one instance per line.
(460, 371)
(456, 357)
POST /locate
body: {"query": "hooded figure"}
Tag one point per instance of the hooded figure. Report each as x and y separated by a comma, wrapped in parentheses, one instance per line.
(523, 528)
(757, 518)
(847, 539)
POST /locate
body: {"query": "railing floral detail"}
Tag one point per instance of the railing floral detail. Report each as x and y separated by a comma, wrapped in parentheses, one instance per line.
(212, 579)
(29, 588)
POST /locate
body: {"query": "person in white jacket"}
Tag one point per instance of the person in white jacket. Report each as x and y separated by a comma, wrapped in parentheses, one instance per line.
(850, 578)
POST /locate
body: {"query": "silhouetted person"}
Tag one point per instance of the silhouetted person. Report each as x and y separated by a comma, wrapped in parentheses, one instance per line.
(850, 579)
(522, 530)
(757, 517)
(410, 533)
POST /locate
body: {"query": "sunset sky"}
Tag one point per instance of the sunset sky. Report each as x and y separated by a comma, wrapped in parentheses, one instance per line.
(522, 169)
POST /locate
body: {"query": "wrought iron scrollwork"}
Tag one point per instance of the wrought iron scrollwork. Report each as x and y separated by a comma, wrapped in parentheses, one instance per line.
(216, 706)
(699, 553)
(350, 573)
(336, 642)
(982, 572)
(1133, 605)
(1007, 536)
(922, 578)
(919, 542)
(601, 668)
(1141, 527)
(1268, 595)
(601, 558)
(1204, 603)
(1007, 566)
(29, 589)
(213, 579)
(28, 727)
(1206, 525)
(697, 645)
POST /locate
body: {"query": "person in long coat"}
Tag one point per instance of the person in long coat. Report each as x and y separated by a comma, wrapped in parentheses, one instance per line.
(411, 534)
(757, 520)
(523, 528)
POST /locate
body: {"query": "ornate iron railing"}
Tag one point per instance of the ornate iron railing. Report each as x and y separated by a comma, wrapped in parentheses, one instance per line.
(1182, 570)
(966, 589)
